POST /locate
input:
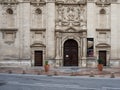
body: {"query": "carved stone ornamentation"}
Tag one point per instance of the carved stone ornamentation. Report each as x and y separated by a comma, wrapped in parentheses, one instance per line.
(37, 2)
(72, 1)
(9, 35)
(103, 2)
(71, 16)
(8, 1)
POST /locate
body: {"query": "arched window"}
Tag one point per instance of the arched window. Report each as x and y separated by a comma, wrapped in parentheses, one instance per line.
(38, 11)
(9, 11)
(102, 11)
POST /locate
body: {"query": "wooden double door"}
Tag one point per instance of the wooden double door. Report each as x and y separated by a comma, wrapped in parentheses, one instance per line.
(38, 58)
(70, 53)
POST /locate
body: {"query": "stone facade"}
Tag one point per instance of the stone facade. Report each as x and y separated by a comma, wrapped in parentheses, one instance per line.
(60, 31)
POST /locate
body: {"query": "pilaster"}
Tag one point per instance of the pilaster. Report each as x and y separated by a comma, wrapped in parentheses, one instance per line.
(24, 30)
(114, 31)
(50, 29)
(91, 21)
(84, 50)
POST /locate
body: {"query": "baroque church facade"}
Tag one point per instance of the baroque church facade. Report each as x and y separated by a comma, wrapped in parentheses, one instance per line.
(64, 32)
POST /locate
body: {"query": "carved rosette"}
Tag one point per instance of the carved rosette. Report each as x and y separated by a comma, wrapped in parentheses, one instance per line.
(70, 14)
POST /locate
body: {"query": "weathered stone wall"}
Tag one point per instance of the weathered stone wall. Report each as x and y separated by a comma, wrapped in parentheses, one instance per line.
(30, 25)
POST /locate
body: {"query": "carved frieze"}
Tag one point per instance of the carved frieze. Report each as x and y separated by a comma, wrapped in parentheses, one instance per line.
(37, 2)
(9, 2)
(70, 16)
(71, 1)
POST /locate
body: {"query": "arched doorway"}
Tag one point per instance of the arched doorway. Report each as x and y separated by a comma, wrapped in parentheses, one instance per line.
(70, 53)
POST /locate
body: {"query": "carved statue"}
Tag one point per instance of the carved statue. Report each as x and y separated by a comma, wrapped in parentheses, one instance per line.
(60, 12)
(71, 14)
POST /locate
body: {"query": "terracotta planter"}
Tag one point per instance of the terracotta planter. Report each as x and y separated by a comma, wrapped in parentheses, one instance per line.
(100, 67)
(47, 68)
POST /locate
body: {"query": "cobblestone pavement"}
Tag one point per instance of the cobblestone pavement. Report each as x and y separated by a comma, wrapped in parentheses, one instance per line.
(64, 71)
(43, 82)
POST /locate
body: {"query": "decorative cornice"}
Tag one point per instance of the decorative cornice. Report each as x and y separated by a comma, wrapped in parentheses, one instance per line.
(102, 29)
(36, 29)
(37, 45)
(9, 2)
(8, 29)
(71, 2)
(103, 45)
(37, 2)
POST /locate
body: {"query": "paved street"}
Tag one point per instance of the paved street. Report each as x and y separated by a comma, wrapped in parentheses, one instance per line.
(43, 82)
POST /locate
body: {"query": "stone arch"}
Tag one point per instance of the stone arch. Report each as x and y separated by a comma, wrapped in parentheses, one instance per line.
(70, 53)
(79, 42)
(71, 37)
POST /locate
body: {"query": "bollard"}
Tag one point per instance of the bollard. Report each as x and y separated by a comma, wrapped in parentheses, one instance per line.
(72, 74)
(39, 72)
(91, 74)
(24, 72)
(10, 71)
(55, 73)
(112, 75)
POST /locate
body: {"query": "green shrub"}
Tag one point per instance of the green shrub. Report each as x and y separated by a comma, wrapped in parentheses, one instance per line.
(46, 62)
(100, 61)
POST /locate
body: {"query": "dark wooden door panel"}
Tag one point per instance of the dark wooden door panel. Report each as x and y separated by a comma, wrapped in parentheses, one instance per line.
(70, 53)
(38, 58)
(102, 54)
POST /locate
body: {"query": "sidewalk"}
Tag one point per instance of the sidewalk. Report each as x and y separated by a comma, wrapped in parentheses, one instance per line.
(63, 71)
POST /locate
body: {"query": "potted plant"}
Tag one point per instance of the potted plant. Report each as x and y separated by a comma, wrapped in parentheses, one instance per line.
(100, 64)
(46, 66)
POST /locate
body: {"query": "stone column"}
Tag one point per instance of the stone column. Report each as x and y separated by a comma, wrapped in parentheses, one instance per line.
(57, 49)
(84, 50)
(57, 46)
(50, 30)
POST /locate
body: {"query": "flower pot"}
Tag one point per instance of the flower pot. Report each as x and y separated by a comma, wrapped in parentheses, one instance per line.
(47, 68)
(100, 67)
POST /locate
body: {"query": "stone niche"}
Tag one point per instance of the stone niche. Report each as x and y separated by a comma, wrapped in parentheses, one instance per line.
(38, 14)
(9, 13)
(103, 11)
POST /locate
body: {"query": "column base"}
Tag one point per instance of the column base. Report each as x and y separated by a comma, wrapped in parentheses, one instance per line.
(84, 63)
